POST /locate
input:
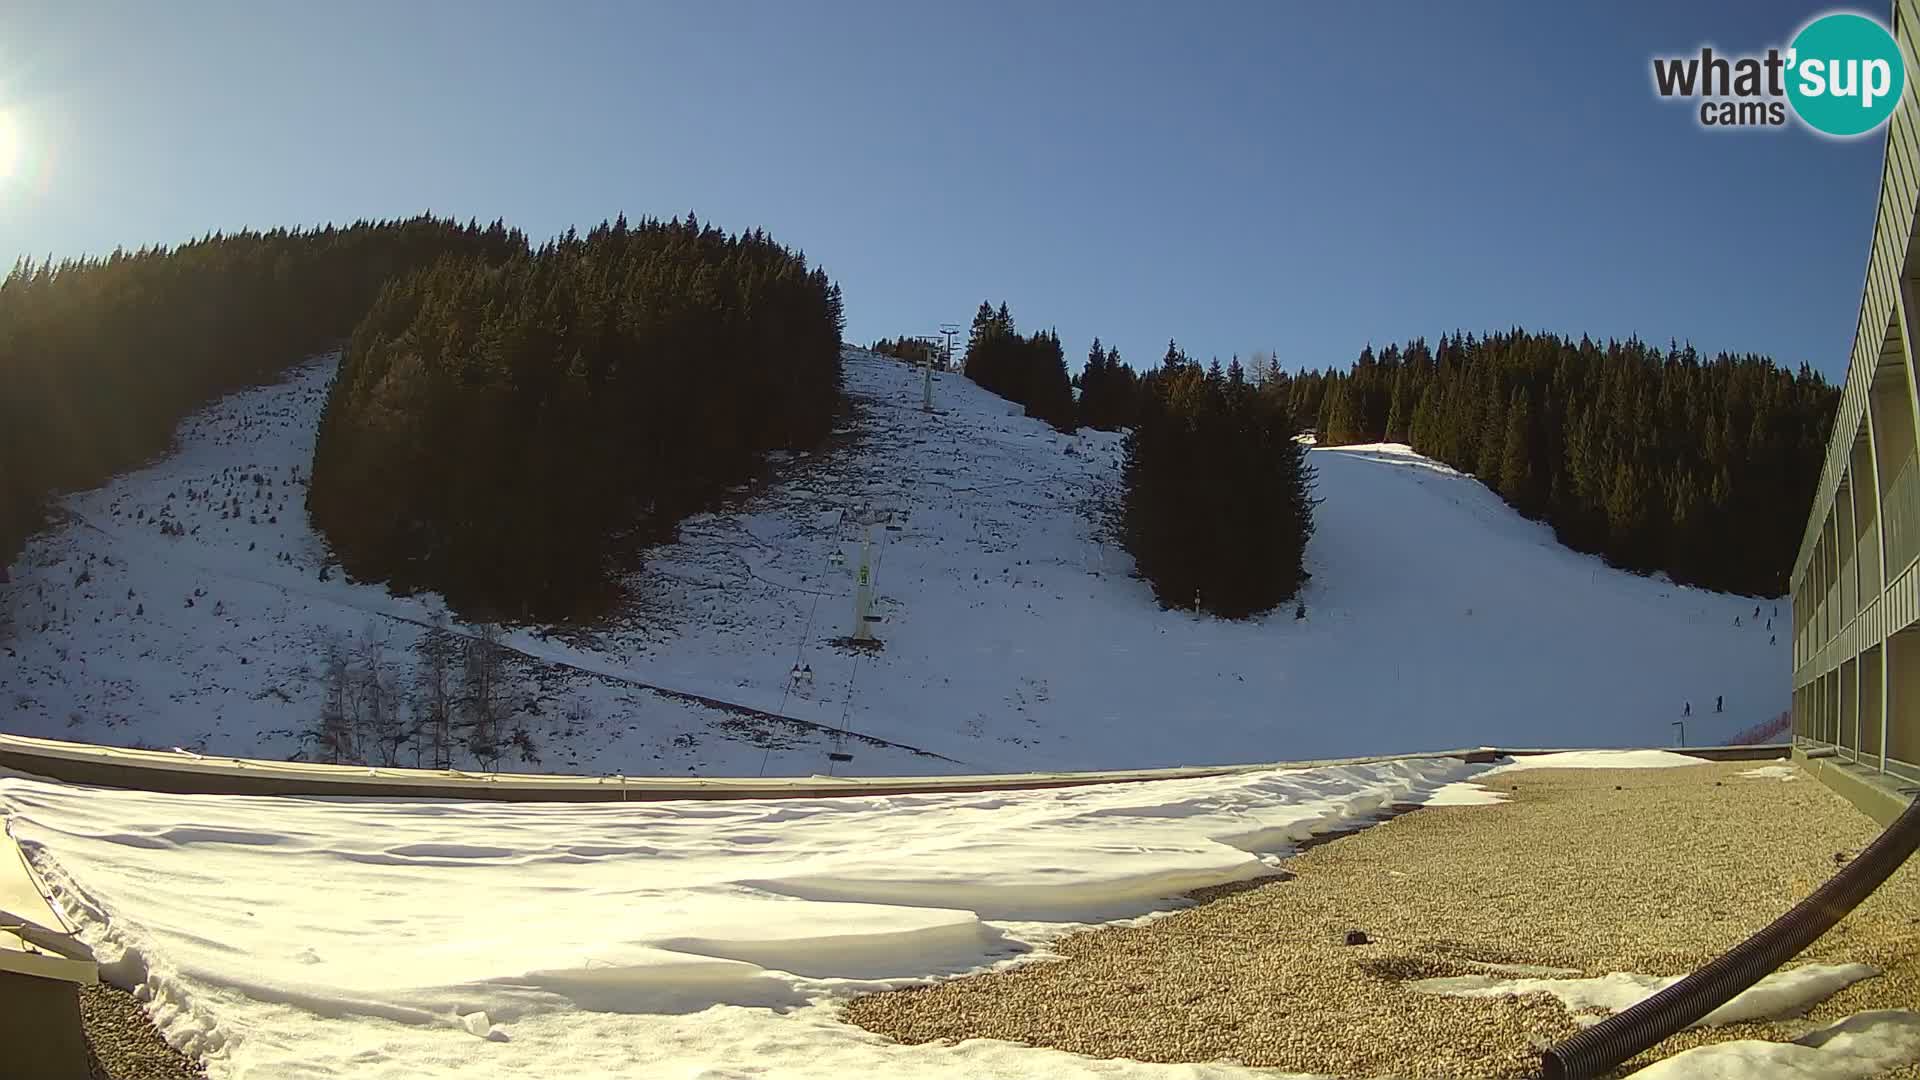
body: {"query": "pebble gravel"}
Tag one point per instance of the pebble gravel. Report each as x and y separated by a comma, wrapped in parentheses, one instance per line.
(1596, 870)
(124, 1043)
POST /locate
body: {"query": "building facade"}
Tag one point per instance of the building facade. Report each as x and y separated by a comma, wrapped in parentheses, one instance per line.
(1856, 589)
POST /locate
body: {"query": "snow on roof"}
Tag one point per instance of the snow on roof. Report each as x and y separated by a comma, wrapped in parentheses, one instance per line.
(1599, 759)
(441, 939)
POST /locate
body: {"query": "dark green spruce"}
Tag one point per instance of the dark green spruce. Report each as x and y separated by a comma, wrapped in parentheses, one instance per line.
(1029, 370)
(1217, 503)
(100, 358)
(1657, 459)
(509, 433)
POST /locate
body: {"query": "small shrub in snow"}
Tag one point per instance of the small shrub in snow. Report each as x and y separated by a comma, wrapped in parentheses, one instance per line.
(577, 714)
(522, 741)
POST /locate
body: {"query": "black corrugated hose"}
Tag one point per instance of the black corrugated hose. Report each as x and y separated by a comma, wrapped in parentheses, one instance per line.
(1621, 1036)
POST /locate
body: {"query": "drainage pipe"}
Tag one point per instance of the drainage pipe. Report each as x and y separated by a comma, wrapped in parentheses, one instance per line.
(1611, 1041)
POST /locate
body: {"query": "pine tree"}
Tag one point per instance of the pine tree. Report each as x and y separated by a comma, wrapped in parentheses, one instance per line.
(1050, 393)
(1490, 438)
(1399, 414)
(1217, 493)
(1626, 516)
(154, 334)
(511, 393)
(1101, 389)
(1122, 394)
(1516, 462)
(1716, 454)
(1421, 430)
(1341, 426)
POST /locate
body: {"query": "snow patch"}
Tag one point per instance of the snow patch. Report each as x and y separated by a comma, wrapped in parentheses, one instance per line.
(1463, 794)
(1772, 772)
(478, 1024)
(1863, 1045)
(1781, 994)
(481, 939)
(1598, 759)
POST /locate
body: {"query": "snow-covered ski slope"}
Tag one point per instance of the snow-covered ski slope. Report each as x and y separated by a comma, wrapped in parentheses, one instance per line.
(1013, 637)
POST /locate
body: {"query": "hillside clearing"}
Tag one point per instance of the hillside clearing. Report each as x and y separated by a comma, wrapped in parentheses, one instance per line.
(1014, 636)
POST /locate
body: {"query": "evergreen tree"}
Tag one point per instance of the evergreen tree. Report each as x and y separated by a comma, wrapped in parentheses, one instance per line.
(1050, 393)
(1217, 493)
(1626, 516)
(1174, 360)
(512, 433)
(912, 350)
(1400, 413)
(100, 358)
(1516, 459)
(1653, 458)
(1029, 371)
(1340, 425)
(1106, 390)
(1491, 440)
(1119, 401)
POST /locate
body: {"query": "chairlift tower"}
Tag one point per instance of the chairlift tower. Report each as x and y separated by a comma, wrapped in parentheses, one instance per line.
(926, 372)
(863, 588)
(863, 616)
(948, 330)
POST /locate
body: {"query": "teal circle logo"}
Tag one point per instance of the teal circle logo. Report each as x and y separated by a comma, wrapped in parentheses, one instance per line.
(1845, 74)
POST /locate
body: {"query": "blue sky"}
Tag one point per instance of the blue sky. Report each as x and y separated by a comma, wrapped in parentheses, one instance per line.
(1305, 178)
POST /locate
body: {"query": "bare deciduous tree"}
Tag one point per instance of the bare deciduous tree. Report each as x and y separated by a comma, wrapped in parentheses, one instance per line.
(434, 680)
(333, 731)
(381, 699)
(6, 606)
(482, 658)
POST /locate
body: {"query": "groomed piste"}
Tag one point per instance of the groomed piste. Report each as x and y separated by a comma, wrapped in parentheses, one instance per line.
(1016, 638)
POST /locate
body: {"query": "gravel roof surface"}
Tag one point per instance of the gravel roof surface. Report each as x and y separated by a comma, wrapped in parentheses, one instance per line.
(124, 1043)
(1601, 870)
